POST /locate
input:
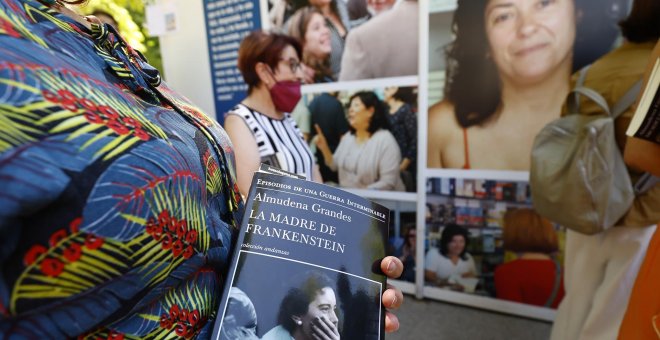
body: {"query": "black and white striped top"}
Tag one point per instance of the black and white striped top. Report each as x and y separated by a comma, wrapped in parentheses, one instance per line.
(280, 142)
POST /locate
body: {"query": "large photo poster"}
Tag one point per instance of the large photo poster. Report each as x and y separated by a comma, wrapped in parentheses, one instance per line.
(498, 72)
(458, 146)
(506, 71)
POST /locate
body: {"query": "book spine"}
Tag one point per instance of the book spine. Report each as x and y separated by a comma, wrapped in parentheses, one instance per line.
(650, 127)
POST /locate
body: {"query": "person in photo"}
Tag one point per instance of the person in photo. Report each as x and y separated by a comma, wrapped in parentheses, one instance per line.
(367, 156)
(448, 265)
(328, 113)
(508, 75)
(309, 27)
(385, 46)
(534, 277)
(403, 125)
(308, 311)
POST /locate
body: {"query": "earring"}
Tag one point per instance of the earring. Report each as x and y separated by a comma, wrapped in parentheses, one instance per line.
(299, 322)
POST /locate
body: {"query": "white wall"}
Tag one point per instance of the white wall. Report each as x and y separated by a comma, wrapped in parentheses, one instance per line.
(185, 55)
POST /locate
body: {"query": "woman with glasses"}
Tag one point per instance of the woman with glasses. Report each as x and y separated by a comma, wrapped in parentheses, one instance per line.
(260, 127)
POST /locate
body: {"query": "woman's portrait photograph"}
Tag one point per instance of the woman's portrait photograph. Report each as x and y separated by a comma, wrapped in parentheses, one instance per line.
(300, 301)
(507, 73)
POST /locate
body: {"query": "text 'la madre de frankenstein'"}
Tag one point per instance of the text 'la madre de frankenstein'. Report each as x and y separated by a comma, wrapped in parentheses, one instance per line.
(306, 225)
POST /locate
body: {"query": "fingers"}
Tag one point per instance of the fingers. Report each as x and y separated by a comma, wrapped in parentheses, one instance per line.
(324, 329)
(391, 322)
(392, 297)
(391, 266)
(318, 129)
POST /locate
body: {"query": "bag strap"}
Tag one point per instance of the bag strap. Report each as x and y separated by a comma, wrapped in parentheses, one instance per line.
(627, 99)
(555, 288)
(573, 100)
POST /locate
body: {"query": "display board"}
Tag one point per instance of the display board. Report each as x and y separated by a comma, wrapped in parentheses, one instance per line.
(464, 86)
(227, 22)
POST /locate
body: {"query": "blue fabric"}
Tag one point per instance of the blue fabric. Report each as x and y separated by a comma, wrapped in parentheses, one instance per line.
(118, 202)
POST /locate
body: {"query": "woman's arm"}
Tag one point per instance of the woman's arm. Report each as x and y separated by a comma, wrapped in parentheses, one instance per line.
(638, 153)
(247, 152)
(322, 144)
(410, 126)
(440, 122)
(472, 268)
(642, 155)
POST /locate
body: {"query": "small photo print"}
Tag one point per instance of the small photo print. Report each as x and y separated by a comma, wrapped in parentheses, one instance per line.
(365, 138)
(484, 238)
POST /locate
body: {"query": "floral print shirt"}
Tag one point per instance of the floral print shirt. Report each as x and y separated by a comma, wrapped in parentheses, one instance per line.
(118, 202)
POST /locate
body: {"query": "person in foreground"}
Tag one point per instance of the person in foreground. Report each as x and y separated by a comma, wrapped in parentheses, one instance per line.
(600, 269)
(119, 201)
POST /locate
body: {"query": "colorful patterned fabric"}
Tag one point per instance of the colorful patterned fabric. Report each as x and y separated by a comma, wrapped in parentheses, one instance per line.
(118, 204)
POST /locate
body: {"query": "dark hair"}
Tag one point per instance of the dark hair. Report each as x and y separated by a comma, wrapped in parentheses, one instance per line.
(298, 4)
(643, 22)
(379, 119)
(259, 46)
(472, 82)
(526, 231)
(297, 299)
(405, 94)
(447, 236)
(467, 63)
(298, 24)
(409, 228)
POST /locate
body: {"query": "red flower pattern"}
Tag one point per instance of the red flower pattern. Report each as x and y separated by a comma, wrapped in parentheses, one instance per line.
(173, 234)
(97, 114)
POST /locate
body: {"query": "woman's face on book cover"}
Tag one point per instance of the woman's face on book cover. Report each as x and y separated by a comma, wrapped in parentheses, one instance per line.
(323, 305)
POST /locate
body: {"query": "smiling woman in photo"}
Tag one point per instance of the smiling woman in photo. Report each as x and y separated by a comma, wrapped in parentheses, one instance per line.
(508, 75)
(309, 27)
(308, 312)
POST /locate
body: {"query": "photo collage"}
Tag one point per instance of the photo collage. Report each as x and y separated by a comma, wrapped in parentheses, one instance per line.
(435, 105)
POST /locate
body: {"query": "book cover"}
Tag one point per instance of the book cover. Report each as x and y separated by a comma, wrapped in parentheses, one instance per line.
(645, 123)
(307, 260)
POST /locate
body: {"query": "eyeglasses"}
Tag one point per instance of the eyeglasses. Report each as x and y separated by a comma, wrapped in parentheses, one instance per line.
(294, 64)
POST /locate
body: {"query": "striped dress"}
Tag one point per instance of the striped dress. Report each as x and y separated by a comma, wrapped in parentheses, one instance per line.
(280, 142)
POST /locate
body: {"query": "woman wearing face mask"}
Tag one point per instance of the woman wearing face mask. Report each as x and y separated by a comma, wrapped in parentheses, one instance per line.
(308, 26)
(260, 127)
(509, 71)
(367, 156)
(308, 312)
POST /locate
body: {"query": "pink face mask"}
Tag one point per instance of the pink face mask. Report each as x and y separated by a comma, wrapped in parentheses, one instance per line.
(285, 95)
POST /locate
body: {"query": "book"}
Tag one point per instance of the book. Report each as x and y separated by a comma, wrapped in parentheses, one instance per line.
(305, 250)
(645, 123)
